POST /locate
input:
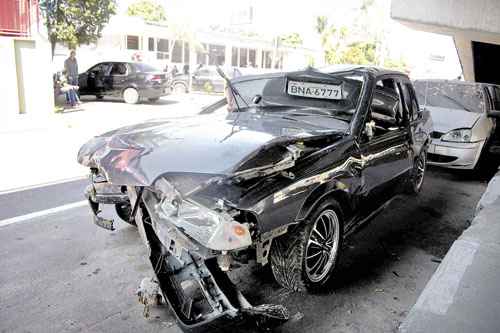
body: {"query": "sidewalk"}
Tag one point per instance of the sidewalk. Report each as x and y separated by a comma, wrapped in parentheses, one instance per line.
(41, 152)
(464, 295)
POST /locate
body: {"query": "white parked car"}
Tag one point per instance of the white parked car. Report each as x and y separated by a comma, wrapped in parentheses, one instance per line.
(464, 116)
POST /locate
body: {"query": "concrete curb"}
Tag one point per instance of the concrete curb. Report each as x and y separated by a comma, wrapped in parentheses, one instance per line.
(463, 293)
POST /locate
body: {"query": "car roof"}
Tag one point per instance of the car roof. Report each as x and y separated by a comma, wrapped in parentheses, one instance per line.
(372, 70)
(375, 70)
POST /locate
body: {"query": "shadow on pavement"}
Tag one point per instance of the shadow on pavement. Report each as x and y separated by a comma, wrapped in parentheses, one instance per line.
(164, 101)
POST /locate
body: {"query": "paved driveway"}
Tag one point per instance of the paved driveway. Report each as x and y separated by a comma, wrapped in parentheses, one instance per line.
(47, 152)
(60, 273)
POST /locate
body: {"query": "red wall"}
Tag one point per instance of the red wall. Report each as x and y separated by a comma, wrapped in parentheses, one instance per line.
(15, 17)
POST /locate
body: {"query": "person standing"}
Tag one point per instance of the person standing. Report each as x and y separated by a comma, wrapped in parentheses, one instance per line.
(71, 68)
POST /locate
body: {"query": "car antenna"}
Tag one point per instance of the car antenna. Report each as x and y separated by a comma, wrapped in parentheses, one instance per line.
(233, 89)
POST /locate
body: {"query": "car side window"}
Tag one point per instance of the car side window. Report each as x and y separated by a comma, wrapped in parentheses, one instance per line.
(410, 100)
(495, 92)
(102, 68)
(119, 69)
(386, 109)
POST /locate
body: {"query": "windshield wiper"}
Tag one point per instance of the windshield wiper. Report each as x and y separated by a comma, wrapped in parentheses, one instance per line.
(234, 92)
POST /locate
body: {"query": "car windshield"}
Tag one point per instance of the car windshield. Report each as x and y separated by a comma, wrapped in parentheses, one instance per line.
(449, 95)
(335, 95)
(144, 68)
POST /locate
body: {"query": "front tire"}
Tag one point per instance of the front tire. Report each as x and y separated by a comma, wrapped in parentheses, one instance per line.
(131, 96)
(417, 175)
(305, 258)
(124, 210)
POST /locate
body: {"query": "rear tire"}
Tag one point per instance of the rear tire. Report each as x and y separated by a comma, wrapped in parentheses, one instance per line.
(305, 258)
(131, 96)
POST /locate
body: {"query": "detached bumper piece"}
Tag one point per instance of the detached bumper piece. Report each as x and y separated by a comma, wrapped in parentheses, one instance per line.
(202, 296)
(104, 193)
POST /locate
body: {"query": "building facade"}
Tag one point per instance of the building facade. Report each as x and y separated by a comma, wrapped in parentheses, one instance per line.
(130, 38)
(26, 85)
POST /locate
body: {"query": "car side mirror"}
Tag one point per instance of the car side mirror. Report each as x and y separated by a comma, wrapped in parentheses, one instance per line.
(493, 113)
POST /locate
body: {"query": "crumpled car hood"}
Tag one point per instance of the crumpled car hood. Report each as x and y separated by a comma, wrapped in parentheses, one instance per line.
(445, 120)
(208, 144)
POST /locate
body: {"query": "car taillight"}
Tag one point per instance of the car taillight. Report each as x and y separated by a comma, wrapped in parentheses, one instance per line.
(155, 78)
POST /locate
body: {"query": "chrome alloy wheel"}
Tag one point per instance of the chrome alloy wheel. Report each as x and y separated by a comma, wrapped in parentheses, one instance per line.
(322, 245)
(419, 170)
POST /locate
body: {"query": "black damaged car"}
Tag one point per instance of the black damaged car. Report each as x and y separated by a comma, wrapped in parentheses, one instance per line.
(282, 171)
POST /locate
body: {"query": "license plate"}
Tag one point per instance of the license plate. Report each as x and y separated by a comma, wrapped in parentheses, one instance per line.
(314, 90)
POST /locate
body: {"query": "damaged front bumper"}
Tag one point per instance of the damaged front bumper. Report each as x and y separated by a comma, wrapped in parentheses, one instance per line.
(190, 266)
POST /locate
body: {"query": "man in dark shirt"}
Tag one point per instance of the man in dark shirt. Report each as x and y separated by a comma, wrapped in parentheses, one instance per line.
(71, 68)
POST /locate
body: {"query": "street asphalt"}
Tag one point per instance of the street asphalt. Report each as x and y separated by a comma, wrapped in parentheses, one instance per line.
(60, 273)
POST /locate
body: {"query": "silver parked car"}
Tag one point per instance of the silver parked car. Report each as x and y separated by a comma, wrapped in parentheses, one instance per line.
(464, 120)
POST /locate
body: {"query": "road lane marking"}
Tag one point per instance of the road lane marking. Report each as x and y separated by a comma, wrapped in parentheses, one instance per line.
(32, 187)
(41, 213)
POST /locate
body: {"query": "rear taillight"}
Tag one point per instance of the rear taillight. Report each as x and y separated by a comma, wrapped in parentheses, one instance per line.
(155, 78)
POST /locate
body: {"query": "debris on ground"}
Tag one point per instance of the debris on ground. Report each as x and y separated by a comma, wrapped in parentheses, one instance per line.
(296, 317)
(149, 294)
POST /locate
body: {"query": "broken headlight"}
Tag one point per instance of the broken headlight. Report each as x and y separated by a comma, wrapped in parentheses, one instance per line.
(216, 230)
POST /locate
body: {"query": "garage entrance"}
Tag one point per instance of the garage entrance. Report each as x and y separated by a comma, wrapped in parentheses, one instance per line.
(486, 62)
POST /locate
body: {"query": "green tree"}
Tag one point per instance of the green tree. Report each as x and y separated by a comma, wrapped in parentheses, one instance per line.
(293, 40)
(360, 53)
(76, 22)
(321, 24)
(149, 11)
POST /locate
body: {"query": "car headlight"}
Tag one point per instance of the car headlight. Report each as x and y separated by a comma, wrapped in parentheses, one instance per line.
(458, 135)
(212, 229)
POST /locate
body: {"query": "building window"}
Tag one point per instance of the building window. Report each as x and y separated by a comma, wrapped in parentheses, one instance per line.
(201, 55)
(132, 42)
(252, 61)
(162, 48)
(243, 57)
(151, 44)
(216, 54)
(266, 59)
(177, 52)
(234, 57)
(186, 53)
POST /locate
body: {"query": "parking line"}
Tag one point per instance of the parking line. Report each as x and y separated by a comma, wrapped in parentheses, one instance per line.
(40, 213)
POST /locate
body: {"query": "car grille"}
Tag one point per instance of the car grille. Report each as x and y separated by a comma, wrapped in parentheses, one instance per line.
(440, 158)
(436, 135)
